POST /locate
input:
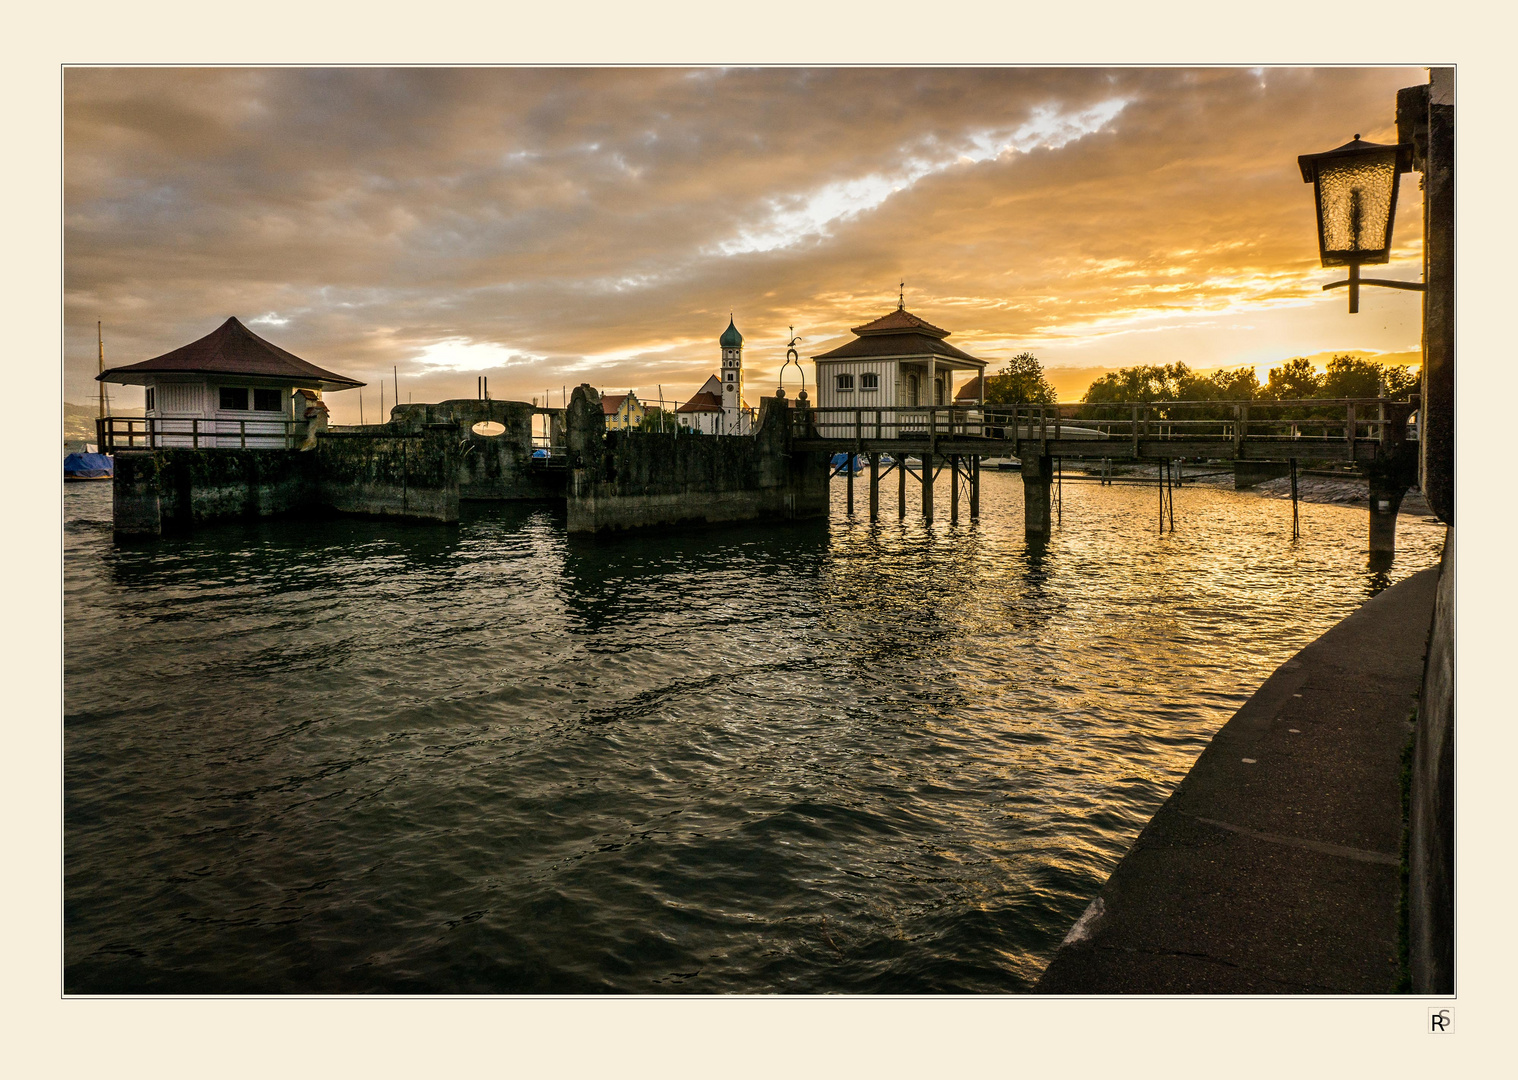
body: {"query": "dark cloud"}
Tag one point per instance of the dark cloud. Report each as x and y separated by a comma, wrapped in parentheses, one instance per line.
(599, 224)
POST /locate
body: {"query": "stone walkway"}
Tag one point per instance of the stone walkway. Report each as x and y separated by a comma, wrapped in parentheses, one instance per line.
(1274, 866)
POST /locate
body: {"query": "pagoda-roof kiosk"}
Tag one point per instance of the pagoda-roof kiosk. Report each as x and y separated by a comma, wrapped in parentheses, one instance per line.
(229, 388)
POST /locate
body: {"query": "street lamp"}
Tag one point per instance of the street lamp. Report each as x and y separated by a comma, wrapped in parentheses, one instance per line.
(1356, 190)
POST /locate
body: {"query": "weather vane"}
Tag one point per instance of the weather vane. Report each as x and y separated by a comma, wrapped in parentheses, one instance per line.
(901, 300)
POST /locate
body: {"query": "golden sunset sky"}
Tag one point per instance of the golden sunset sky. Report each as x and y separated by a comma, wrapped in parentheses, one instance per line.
(551, 226)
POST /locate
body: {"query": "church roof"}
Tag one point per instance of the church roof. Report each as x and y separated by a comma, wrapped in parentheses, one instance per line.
(730, 338)
(231, 349)
(702, 403)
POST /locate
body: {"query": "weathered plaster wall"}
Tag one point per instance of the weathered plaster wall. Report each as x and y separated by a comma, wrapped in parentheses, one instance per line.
(632, 479)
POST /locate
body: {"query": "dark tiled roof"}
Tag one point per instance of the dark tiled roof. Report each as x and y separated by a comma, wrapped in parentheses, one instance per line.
(232, 349)
(897, 344)
(702, 403)
(900, 319)
(970, 391)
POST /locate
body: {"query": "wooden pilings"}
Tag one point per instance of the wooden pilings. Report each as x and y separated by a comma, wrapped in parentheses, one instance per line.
(926, 461)
(875, 485)
(901, 487)
(953, 489)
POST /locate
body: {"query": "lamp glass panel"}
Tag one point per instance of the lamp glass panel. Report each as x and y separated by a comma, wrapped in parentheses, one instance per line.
(1355, 199)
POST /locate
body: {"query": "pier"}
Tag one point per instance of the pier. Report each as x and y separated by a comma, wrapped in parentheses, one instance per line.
(1371, 433)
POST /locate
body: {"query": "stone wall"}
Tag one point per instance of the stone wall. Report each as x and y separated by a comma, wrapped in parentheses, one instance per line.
(375, 470)
(490, 467)
(1431, 843)
(386, 472)
(175, 489)
(634, 479)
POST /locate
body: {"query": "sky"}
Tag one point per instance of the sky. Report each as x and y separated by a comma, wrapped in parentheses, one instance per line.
(545, 227)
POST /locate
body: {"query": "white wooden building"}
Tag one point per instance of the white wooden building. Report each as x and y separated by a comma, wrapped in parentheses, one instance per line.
(230, 388)
(897, 362)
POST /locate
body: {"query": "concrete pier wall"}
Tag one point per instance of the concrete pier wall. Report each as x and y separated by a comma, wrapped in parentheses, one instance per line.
(374, 471)
(175, 489)
(1274, 866)
(1431, 827)
(391, 474)
(631, 479)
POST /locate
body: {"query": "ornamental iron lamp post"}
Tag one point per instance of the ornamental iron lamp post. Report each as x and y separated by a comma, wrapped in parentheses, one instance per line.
(1356, 190)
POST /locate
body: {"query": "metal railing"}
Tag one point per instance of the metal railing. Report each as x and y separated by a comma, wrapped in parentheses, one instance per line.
(1311, 420)
(127, 433)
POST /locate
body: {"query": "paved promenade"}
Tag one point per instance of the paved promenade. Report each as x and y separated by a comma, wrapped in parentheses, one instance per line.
(1273, 867)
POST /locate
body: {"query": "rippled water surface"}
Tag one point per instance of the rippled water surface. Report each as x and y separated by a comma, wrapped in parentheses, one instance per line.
(351, 756)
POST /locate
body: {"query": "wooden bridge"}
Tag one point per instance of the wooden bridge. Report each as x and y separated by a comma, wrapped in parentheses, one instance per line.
(1373, 433)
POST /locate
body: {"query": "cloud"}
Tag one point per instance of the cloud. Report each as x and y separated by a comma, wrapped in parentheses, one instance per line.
(569, 224)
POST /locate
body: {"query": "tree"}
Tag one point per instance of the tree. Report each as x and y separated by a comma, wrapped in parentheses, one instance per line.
(1351, 377)
(657, 419)
(1232, 384)
(1144, 382)
(1296, 378)
(1021, 382)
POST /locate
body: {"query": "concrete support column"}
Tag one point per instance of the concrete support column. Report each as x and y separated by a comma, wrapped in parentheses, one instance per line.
(1387, 486)
(1038, 474)
(927, 487)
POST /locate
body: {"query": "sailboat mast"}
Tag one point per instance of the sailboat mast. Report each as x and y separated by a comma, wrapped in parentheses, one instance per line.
(100, 347)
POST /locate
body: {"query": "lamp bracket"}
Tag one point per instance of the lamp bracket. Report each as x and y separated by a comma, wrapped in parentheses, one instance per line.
(1412, 286)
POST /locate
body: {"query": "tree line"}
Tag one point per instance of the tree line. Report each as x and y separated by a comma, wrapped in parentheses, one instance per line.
(1022, 382)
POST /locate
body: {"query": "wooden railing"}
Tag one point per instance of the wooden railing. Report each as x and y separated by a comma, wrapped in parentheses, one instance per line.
(1312, 420)
(115, 434)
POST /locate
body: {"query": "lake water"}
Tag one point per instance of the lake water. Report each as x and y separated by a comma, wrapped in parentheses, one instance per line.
(351, 756)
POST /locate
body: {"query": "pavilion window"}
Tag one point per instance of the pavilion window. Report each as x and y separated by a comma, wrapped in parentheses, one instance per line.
(845, 384)
(234, 397)
(869, 381)
(148, 400)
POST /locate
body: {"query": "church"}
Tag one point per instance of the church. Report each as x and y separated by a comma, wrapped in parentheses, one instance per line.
(718, 407)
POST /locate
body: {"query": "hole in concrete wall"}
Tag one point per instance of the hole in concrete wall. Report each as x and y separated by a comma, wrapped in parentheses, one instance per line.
(489, 428)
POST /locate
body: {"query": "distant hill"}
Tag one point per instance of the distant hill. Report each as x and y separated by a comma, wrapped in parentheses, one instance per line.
(79, 421)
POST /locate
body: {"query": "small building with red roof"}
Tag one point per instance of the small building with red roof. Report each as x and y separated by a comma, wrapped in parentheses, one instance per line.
(623, 411)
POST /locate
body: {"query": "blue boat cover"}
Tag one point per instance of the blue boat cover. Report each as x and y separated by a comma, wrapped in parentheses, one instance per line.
(88, 465)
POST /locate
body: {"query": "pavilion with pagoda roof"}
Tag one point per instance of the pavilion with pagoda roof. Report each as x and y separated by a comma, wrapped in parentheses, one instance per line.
(898, 360)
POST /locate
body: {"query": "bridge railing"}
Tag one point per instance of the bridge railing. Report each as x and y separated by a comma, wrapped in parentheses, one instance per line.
(1310, 420)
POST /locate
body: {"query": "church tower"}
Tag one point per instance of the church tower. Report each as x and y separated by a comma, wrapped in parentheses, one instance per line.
(734, 420)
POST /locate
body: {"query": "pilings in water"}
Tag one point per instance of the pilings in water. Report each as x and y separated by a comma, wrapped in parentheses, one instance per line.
(1038, 474)
(926, 462)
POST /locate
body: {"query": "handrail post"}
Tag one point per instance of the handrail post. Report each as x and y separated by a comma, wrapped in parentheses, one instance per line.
(242, 434)
(1133, 428)
(1349, 428)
